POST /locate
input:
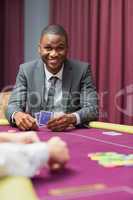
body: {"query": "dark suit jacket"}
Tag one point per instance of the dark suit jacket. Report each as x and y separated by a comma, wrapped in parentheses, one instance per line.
(79, 94)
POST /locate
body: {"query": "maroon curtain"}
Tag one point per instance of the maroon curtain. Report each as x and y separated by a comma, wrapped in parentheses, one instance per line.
(11, 40)
(101, 32)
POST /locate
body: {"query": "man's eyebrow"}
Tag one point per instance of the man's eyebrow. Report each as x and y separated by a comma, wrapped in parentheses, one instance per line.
(62, 43)
(49, 45)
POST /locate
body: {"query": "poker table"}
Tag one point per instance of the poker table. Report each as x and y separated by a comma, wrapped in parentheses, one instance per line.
(83, 178)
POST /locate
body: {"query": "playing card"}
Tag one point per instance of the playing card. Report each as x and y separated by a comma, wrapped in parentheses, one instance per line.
(45, 116)
(37, 116)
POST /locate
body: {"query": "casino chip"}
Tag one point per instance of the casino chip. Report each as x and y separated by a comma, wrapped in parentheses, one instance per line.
(112, 159)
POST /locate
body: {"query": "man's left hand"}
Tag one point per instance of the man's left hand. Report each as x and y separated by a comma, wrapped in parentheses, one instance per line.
(62, 122)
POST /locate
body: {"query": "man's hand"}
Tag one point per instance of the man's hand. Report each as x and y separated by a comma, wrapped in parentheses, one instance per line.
(58, 152)
(24, 121)
(62, 122)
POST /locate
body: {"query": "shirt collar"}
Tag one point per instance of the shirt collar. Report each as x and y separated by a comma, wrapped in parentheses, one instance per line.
(49, 74)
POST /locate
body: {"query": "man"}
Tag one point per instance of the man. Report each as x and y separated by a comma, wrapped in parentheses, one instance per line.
(75, 94)
(24, 154)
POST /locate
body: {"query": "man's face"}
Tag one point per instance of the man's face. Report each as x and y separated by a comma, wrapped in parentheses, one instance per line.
(53, 51)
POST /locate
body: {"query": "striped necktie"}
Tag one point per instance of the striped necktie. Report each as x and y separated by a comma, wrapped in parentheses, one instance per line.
(51, 93)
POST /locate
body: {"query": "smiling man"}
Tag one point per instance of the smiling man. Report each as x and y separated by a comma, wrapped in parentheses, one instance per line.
(53, 83)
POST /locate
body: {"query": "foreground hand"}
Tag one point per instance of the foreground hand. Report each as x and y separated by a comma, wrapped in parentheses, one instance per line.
(62, 122)
(25, 121)
(58, 152)
(25, 138)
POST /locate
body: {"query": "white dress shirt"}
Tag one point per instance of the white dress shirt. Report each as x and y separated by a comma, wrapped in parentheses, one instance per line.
(58, 92)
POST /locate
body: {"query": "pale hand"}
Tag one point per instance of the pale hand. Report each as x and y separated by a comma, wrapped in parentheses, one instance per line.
(59, 153)
(24, 138)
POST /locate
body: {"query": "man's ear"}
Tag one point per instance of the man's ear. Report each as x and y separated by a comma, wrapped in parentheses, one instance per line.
(39, 49)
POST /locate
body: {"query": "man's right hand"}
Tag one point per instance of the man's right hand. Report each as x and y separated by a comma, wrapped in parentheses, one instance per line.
(59, 153)
(24, 121)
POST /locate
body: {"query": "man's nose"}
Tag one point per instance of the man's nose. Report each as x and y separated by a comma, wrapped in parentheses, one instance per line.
(53, 53)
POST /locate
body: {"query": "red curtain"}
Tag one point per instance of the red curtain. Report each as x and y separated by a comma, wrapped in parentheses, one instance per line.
(101, 32)
(11, 40)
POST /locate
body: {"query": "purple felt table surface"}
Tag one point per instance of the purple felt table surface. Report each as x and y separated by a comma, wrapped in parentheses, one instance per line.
(80, 170)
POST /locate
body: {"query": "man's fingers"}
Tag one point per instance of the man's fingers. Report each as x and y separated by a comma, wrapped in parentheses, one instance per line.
(57, 121)
(34, 127)
(24, 124)
(25, 121)
(59, 128)
(21, 126)
(58, 124)
(31, 119)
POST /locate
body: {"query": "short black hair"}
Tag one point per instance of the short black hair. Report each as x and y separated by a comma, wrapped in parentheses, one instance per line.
(55, 29)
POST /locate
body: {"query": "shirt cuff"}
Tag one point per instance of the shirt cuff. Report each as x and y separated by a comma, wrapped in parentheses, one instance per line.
(23, 159)
(77, 118)
(12, 117)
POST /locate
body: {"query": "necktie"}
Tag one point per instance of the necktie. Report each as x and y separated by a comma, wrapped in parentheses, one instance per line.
(51, 93)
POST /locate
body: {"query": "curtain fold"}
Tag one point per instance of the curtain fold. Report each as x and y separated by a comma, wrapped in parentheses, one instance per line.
(11, 40)
(101, 32)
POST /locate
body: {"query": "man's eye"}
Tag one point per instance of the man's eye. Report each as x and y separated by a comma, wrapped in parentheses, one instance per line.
(61, 48)
(48, 48)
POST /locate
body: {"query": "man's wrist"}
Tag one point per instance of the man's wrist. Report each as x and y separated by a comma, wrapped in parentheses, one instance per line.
(73, 119)
(77, 118)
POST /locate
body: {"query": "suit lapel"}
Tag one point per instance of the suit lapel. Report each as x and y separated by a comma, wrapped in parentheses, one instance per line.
(40, 80)
(66, 84)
